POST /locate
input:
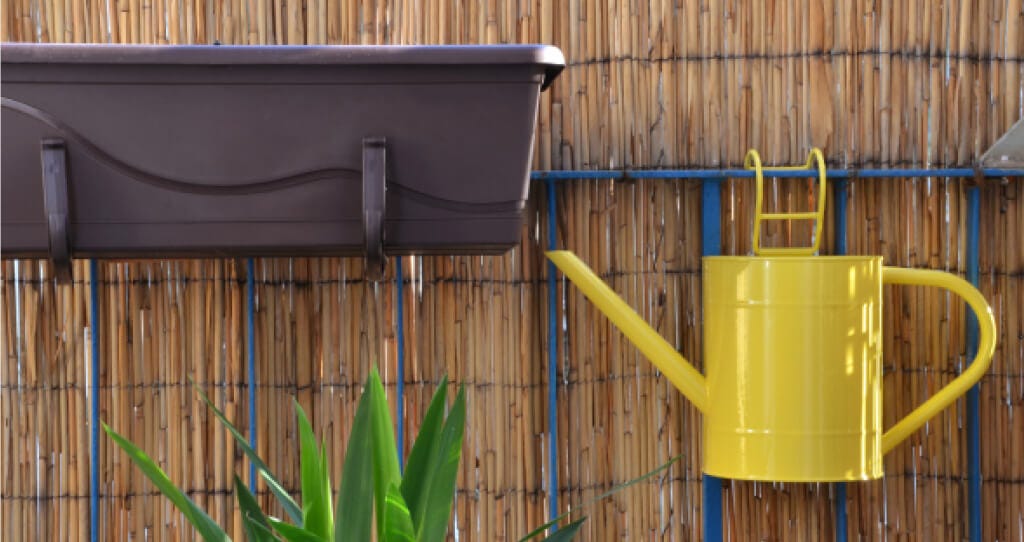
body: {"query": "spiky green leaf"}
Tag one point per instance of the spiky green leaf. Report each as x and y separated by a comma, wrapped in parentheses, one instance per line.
(292, 533)
(206, 527)
(540, 530)
(385, 453)
(566, 533)
(261, 530)
(257, 528)
(289, 505)
(354, 510)
(316, 487)
(415, 480)
(397, 521)
(442, 468)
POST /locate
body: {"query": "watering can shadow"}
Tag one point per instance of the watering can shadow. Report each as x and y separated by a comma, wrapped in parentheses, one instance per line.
(792, 350)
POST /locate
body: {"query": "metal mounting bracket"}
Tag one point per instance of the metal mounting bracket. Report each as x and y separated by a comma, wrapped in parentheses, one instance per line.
(374, 188)
(53, 153)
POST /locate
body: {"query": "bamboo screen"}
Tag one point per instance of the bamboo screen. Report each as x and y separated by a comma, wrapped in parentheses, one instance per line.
(650, 84)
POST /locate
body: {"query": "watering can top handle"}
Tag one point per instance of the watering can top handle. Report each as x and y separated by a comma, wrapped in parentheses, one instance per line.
(752, 161)
(978, 366)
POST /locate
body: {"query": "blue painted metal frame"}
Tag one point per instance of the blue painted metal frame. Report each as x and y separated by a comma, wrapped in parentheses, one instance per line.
(552, 364)
(842, 530)
(711, 206)
(250, 341)
(711, 245)
(400, 376)
(743, 173)
(94, 403)
(973, 417)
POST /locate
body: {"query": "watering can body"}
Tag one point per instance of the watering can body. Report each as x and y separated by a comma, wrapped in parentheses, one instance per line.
(793, 361)
(793, 352)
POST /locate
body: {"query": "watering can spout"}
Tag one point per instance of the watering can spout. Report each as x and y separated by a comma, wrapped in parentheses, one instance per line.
(659, 351)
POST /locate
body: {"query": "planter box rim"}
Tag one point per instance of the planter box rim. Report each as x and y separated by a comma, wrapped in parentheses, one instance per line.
(268, 55)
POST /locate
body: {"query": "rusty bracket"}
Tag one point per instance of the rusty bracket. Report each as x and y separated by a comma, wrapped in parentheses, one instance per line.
(979, 176)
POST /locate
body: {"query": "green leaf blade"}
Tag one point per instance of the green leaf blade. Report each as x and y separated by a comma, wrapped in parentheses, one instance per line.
(540, 530)
(397, 521)
(385, 452)
(417, 472)
(207, 528)
(257, 528)
(316, 488)
(566, 533)
(354, 508)
(289, 504)
(432, 523)
(261, 530)
(292, 533)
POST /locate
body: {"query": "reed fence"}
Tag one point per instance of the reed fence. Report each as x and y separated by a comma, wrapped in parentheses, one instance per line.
(649, 84)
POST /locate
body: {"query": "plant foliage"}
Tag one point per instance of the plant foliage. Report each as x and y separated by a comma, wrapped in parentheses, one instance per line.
(414, 507)
(373, 493)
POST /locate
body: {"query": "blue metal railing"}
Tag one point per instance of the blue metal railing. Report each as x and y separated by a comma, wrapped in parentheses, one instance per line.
(973, 416)
(711, 206)
(94, 403)
(840, 249)
(743, 173)
(711, 245)
(400, 376)
(250, 341)
(552, 364)
(711, 209)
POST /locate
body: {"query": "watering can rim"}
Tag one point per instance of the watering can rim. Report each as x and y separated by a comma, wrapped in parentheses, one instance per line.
(831, 258)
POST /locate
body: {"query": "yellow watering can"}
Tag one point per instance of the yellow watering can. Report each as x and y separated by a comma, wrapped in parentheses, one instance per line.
(793, 353)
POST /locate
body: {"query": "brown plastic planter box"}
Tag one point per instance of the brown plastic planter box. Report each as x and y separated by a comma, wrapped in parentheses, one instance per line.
(147, 151)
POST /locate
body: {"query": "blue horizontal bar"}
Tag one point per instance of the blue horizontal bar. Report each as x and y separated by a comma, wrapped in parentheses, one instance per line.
(744, 173)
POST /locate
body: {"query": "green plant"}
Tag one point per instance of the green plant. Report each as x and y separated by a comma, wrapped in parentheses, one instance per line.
(413, 507)
(568, 531)
(410, 508)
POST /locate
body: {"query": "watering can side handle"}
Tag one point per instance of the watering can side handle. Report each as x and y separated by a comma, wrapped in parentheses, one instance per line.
(660, 352)
(973, 373)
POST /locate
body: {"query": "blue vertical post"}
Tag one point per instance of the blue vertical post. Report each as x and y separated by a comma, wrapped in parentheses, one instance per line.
(840, 217)
(94, 404)
(250, 336)
(711, 245)
(973, 422)
(552, 365)
(840, 250)
(400, 377)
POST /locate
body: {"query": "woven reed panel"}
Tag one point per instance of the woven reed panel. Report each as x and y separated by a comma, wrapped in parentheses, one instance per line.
(649, 84)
